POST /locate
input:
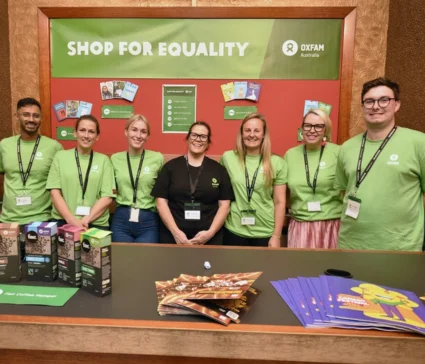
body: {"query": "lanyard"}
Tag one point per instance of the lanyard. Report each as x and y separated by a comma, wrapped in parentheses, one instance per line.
(250, 189)
(24, 176)
(130, 172)
(80, 174)
(193, 184)
(361, 176)
(307, 171)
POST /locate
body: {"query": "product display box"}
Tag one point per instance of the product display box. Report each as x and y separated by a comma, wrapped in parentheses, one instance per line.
(69, 255)
(10, 253)
(96, 261)
(41, 251)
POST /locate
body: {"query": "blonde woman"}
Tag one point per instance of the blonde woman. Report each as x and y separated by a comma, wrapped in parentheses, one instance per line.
(259, 182)
(135, 219)
(315, 204)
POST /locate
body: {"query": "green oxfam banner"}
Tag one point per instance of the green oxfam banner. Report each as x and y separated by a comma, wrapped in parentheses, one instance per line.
(196, 48)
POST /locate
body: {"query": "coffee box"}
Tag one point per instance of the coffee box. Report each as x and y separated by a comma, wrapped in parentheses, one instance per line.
(96, 261)
(10, 253)
(41, 251)
(69, 255)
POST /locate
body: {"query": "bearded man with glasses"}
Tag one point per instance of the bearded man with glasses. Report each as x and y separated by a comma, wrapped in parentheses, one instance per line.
(382, 174)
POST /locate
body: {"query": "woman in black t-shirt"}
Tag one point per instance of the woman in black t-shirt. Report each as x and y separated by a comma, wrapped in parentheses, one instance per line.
(193, 194)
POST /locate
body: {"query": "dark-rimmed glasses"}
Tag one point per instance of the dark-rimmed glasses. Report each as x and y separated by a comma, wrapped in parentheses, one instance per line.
(382, 102)
(316, 127)
(201, 137)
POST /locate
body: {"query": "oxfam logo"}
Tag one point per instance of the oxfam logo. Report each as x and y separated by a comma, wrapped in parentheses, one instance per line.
(322, 164)
(393, 157)
(39, 154)
(289, 48)
(64, 133)
(214, 180)
(106, 111)
(231, 112)
(1, 291)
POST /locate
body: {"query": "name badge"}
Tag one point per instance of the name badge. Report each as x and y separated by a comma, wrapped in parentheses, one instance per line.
(353, 207)
(248, 217)
(248, 220)
(192, 211)
(23, 200)
(134, 215)
(313, 206)
(82, 211)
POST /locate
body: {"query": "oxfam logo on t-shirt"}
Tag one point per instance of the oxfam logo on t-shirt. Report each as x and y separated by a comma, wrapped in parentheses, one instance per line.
(214, 182)
(95, 168)
(322, 165)
(39, 155)
(393, 160)
(146, 170)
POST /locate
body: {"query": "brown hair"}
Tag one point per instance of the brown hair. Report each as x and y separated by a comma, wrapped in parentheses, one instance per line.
(88, 117)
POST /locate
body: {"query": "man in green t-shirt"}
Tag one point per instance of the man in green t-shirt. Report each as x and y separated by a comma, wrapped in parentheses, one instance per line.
(382, 173)
(25, 161)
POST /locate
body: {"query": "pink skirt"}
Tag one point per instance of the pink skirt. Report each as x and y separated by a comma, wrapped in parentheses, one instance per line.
(313, 234)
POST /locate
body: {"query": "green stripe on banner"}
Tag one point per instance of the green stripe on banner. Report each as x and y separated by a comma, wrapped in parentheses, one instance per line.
(195, 48)
(34, 295)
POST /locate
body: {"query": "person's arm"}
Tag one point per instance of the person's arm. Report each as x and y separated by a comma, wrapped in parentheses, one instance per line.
(62, 208)
(96, 211)
(168, 219)
(279, 197)
(203, 236)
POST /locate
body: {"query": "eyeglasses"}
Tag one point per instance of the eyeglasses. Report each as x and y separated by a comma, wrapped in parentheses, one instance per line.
(382, 102)
(201, 137)
(316, 127)
(28, 115)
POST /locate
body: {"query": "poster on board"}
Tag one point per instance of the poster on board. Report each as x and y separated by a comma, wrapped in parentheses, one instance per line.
(178, 108)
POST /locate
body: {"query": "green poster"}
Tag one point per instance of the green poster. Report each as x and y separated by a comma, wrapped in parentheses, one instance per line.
(238, 112)
(34, 295)
(196, 48)
(178, 108)
(117, 111)
(300, 135)
(65, 133)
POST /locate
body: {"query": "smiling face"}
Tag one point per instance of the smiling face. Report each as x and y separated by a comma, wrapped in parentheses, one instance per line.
(198, 140)
(29, 118)
(86, 134)
(137, 134)
(380, 117)
(253, 135)
(312, 134)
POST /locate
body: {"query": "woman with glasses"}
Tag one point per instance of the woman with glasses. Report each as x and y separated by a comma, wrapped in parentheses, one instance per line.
(259, 181)
(193, 194)
(314, 202)
(135, 219)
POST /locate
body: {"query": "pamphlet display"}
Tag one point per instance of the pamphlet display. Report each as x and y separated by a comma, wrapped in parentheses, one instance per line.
(330, 301)
(224, 298)
(241, 90)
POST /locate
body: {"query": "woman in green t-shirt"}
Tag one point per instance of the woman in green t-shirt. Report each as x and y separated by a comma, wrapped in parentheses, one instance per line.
(135, 219)
(315, 204)
(259, 182)
(81, 181)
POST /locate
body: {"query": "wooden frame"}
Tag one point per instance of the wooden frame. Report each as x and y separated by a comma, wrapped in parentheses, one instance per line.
(348, 14)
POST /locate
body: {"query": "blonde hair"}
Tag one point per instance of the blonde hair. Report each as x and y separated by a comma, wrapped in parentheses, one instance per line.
(265, 151)
(325, 118)
(137, 117)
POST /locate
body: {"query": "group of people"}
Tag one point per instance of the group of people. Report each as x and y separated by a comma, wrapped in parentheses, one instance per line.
(366, 194)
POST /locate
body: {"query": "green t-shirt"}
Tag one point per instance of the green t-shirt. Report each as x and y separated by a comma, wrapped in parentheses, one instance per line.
(262, 198)
(152, 164)
(301, 193)
(64, 176)
(391, 213)
(35, 187)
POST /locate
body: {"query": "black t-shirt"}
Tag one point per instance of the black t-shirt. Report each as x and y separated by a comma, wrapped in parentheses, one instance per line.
(173, 184)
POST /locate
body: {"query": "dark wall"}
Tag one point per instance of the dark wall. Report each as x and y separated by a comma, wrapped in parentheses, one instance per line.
(5, 97)
(406, 59)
